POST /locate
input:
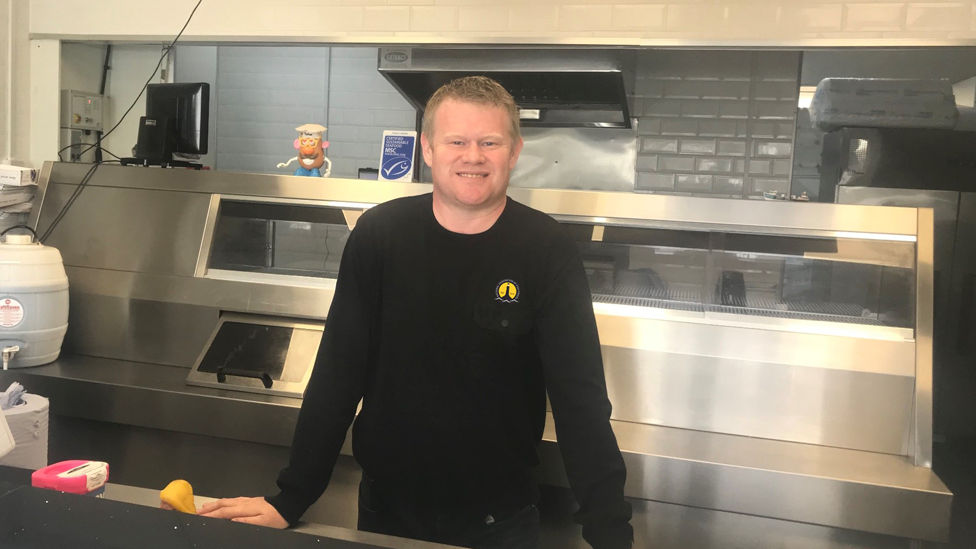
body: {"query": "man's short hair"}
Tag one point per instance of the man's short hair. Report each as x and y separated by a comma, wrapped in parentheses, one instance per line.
(472, 89)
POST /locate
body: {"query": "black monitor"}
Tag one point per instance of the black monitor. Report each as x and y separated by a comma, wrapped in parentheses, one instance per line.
(177, 121)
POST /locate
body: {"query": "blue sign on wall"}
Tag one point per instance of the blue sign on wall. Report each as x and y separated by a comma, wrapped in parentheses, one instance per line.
(396, 162)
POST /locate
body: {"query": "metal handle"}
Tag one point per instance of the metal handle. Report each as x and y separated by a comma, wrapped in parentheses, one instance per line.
(8, 354)
(963, 337)
(265, 377)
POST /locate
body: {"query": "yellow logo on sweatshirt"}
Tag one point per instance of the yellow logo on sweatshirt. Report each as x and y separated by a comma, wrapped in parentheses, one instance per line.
(507, 291)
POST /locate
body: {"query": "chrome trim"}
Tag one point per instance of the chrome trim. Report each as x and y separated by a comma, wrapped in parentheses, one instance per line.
(253, 186)
(206, 243)
(889, 333)
(300, 201)
(717, 227)
(714, 212)
(924, 292)
(876, 236)
(274, 279)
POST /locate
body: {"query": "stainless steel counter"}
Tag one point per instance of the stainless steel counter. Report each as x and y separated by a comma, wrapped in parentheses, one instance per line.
(769, 359)
(232, 443)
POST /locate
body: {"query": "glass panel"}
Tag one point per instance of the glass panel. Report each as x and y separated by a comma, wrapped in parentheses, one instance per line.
(857, 281)
(283, 239)
(644, 267)
(838, 280)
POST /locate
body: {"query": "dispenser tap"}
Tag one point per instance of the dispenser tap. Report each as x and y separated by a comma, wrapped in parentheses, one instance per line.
(8, 354)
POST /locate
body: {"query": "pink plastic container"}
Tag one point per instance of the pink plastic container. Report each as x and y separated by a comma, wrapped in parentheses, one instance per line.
(77, 476)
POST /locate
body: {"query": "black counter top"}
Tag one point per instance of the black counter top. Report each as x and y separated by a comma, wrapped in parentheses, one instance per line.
(33, 518)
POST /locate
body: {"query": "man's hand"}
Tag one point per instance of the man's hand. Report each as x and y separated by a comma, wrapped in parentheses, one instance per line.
(247, 510)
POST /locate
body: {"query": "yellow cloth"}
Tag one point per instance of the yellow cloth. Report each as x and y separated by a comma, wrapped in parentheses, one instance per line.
(179, 494)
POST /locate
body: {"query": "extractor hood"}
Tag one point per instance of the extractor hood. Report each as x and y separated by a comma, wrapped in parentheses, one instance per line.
(552, 87)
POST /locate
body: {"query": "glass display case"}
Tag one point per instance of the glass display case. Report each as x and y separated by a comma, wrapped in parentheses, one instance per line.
(713, 273)
(698, 272)
(280, 238)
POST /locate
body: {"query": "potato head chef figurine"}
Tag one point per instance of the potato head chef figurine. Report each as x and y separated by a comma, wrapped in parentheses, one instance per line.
(311, 152)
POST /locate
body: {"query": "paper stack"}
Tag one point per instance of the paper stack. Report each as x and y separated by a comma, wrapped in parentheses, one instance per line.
(17, 186)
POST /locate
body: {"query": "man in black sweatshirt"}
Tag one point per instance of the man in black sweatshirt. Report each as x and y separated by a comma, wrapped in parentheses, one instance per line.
(454, 314)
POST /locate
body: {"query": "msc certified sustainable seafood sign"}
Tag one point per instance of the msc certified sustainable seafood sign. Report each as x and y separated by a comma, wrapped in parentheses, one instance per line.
(396, 161)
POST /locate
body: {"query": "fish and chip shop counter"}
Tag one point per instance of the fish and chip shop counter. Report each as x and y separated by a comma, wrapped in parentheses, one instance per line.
(769, 364)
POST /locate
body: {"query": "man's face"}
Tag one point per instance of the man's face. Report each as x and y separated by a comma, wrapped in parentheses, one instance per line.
(470, 154)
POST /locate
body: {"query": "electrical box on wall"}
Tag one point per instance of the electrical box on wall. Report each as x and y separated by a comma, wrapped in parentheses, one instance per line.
(81, 110)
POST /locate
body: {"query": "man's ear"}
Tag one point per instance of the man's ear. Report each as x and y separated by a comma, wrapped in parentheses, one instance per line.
(425, 148)
(516, 151)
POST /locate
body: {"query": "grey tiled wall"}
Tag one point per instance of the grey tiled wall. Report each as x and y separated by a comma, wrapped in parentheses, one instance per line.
(806, 156)
(262, 95)
(361, 105)
(714, 122)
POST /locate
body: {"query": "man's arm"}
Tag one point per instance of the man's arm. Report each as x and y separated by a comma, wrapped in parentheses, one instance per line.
(337, 383)
(573, 368)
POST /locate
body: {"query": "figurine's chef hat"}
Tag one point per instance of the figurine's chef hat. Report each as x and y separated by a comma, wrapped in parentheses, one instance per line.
(311, 130)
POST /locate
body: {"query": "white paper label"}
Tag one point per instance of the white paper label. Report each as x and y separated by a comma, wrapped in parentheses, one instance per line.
(11, 312)
(95, 480)
(95, 473)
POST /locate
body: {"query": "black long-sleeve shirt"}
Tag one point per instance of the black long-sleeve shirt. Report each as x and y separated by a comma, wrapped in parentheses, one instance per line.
(452, 341)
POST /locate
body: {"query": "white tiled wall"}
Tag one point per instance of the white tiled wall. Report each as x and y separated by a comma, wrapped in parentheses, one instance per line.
(5, 27)
(750, 21)
(877, 17)
(361, 105)
(16, 70)
(935, 17)
(687, 23)
(717, 123)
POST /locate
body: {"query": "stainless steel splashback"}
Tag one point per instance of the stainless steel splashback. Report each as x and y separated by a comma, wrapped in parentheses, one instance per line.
(583, 159)
(577, 158)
